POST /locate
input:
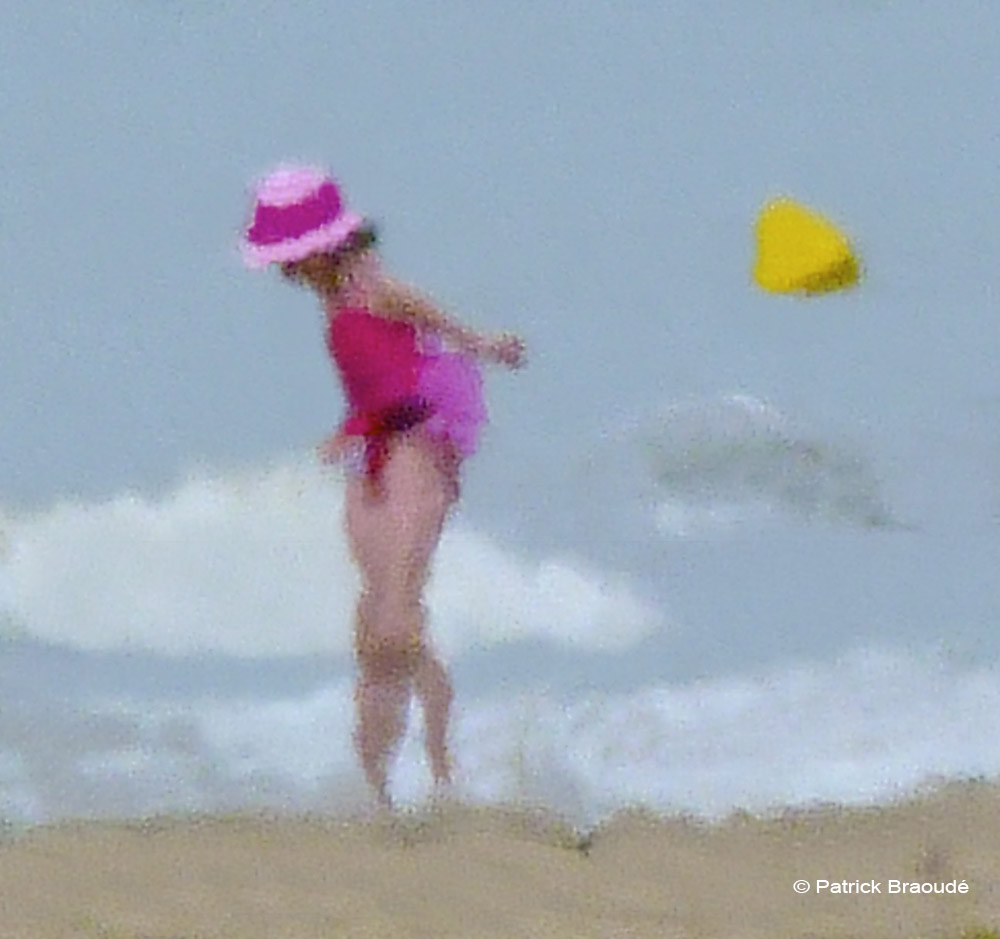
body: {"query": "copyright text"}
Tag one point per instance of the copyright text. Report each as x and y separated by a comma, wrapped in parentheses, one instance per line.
(879, 886)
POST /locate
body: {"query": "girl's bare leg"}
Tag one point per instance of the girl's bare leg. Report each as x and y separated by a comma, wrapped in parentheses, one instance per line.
(382, 698)
(434, 689)
(393, 535)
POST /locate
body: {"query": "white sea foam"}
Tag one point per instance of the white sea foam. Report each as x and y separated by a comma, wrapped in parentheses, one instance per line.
(866, 728)
(256, 564)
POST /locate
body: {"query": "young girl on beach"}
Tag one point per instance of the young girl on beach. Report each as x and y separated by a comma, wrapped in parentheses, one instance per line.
(415, 410)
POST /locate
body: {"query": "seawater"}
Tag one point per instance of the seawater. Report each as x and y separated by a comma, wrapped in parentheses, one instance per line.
(747, 614)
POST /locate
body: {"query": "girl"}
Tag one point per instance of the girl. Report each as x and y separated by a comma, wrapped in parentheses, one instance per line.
(415, 410)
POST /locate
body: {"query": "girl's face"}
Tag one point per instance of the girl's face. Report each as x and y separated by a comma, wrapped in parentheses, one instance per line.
(316, 271)
(325, 272)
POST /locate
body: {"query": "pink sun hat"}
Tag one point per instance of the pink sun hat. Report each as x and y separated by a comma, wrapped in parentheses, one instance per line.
(298, 211)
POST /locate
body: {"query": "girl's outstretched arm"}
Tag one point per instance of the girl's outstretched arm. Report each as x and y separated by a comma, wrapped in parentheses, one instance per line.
(396, 300)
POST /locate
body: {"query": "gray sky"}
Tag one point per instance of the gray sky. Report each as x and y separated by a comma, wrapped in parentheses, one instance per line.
(585, 173)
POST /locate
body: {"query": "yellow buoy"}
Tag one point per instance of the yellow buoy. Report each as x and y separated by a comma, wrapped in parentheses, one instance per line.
(799, 251)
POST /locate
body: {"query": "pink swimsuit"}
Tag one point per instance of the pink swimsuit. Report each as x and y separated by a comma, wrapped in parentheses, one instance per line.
(395, 379)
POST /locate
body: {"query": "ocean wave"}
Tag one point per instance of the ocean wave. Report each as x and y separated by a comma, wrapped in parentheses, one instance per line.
(256, 564)
(720, 462)
(869, 727)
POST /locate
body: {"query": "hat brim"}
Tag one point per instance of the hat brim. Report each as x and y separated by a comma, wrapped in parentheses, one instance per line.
(327, 238)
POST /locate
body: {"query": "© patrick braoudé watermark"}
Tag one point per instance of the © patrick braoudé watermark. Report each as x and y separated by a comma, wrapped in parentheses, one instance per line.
(869, 887)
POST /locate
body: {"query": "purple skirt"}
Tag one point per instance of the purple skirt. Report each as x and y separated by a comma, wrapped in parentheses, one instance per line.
(452, 384)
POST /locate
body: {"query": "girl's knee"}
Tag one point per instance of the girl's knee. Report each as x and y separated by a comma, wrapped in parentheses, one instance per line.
(391, 657)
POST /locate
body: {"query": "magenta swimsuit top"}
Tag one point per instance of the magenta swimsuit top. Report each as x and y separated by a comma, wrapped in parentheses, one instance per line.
(378, 359)
(379, 363)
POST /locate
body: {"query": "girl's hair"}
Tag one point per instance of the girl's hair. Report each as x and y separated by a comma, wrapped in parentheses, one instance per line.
(361, 240)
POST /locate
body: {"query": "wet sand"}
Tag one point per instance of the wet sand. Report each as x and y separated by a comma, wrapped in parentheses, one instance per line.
(461, 872)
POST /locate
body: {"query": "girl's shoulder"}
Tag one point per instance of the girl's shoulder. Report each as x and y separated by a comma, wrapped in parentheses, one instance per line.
(395, 299)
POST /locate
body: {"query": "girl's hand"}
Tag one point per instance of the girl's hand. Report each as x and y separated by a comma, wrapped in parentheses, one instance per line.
(508, 349)
(333, 448)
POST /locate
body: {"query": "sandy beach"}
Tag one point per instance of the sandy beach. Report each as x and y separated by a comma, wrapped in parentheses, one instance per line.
(462, 872)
